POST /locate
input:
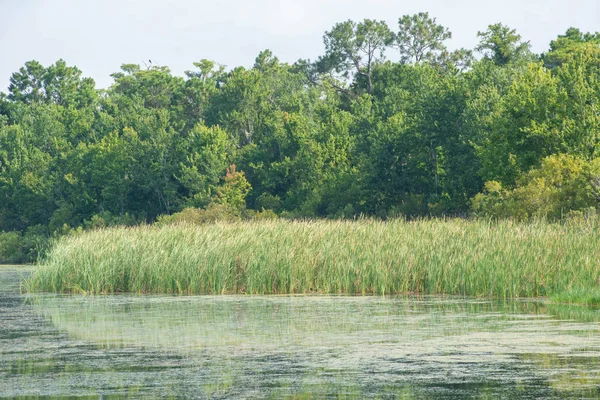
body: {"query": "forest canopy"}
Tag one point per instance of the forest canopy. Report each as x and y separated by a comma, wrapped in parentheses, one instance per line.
(492, 131)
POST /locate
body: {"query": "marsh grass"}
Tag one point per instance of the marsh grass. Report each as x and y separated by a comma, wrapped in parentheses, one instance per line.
(579, 296)
(476, 258)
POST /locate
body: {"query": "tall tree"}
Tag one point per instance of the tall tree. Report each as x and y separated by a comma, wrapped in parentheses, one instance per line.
(355, 48)
(519, 127)
(579, 77)
(27, 85)
(420, 39)
(192, 99)
(565, 46)
(57, 84)
(503, 45)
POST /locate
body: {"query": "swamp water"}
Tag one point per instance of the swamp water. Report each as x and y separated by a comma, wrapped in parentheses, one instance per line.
(292, 347)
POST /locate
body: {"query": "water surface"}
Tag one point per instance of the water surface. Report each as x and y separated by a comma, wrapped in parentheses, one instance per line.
(292, 347)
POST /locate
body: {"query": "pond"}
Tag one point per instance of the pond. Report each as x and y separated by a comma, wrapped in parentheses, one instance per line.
(292, 347)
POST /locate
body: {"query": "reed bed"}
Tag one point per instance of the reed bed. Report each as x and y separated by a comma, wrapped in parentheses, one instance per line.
(459, 257)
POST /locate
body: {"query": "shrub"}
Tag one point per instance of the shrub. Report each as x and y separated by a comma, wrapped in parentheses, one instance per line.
(268, 202)
(17, 248)
(563, 185)
(213, 213)
(234, 190)
(10, 248)
(106, 218)
(260, 215)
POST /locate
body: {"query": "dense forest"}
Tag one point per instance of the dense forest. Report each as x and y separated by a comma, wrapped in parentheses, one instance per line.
(495, 131)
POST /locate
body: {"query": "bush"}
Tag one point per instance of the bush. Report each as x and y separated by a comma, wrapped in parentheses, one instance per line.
(260, 215)
(562, 186)
(228, 205)
(213, 213)
(234, 189)
(268, 202)
(17, 248)
(10, 248)
(106, 219)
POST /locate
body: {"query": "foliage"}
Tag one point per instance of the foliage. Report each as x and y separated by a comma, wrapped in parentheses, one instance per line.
(503, 45)
(563, 184)
(355, 47)
(573, 41)
(17, 248)
(213, 213)
(228, 204)
(421, 40)
(232, 193)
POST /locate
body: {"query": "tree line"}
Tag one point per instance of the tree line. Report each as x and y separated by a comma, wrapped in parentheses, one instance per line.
(492, 131)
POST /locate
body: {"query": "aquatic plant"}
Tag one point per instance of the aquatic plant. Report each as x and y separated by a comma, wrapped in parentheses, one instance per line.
(579, 296)
(476, 258)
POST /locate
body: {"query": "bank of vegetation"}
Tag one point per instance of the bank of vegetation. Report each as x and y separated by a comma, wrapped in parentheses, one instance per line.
(475, 258)
(199, 184)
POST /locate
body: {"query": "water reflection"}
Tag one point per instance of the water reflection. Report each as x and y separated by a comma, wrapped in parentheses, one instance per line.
(294, 347)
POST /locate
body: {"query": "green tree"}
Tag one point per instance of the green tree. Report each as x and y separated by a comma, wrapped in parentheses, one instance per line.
(503, 45)
(565, 46)
(27, 85)
(233, 191)
(421, 40)
(562, 184)
(355, 48)
(193, 98)
(57, 84)
(512, 129)
(579, 77)
(207, 151)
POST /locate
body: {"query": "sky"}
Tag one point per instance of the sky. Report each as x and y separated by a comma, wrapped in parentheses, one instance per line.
(99, 35)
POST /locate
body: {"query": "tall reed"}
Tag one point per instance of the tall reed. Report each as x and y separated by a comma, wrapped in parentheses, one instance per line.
(477, 258)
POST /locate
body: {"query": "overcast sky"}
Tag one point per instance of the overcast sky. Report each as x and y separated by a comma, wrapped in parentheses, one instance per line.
(100, 35)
